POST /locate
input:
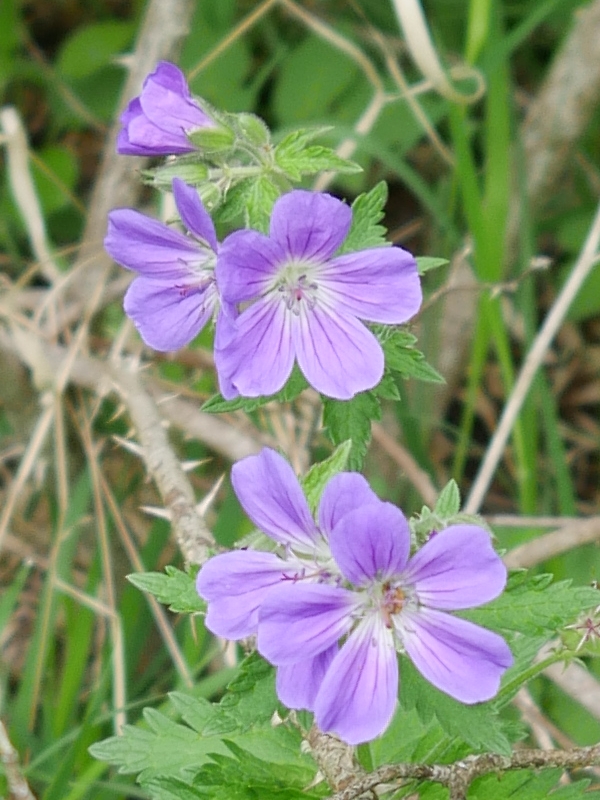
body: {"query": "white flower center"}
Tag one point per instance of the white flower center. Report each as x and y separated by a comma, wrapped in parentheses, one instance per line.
(296, 285)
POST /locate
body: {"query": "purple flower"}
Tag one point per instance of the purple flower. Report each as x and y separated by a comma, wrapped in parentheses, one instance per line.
(387, 602)
(348, 578)
(235, 584)
(175, 293)
(306, 304)
(156, 122)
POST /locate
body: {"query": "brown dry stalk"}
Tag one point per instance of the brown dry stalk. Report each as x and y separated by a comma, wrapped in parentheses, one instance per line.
(17, 785)
(457, 777)
(575, 534)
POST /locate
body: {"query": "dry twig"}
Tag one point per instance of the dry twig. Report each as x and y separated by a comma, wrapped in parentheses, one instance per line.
(588, 258)
(457, 777)
(17, 785)
(574, 534)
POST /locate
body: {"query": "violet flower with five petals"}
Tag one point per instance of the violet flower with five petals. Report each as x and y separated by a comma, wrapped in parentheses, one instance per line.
(175, 293)
(235, 584)
(306, 304)
(388, 602)
(156, 122)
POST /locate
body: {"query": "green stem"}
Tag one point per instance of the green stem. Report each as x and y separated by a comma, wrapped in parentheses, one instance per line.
(507, 691)
(234, 172)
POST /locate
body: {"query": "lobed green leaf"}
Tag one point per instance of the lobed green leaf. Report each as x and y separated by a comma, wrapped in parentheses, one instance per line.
(351, 420)
(403, 357)
(174, 588)
(531, 605)
(478, 725)
(367, 213)
(311, 160)
(295, 385)
(161, 747)
(448, 503)
(427, 263)
(319, 474)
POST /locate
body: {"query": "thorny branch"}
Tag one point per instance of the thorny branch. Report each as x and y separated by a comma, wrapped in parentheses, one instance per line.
(458, 777)
(193, 537)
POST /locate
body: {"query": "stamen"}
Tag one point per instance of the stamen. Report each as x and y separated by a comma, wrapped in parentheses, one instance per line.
(392, 602)
(297, 288)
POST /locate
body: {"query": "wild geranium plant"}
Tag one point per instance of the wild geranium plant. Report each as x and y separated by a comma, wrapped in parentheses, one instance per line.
(350, 578)
(364, 627)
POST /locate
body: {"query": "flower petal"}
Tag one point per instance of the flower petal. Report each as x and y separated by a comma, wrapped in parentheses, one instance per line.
(169, 316)
(457, 568)
(271, 496)
(246, 265)
(297, 684)
(456, 656)
(337, 354)
(235, 584)
(259, 358)
(344, 492)
(149, 247)
(297, 621)
(225, 331)
(167, 102)
(380, 284)
(193, 214)
(130, 144)
(371, 542)
(170, 77)
(145, 137)
(309, 225)
(358, 695)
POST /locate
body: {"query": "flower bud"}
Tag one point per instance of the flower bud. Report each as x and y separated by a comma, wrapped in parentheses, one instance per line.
(212, 140)
(254, 129)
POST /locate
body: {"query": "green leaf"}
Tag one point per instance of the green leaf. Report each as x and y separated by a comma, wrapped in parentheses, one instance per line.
(172, 789)
(166, 748)
(314, 80)
(367, 213)
(253, 129)
(532, 606)
(448, 502)
(234, 202)
(161, 747)
(527, 785)
(478, 725)
(93, 46)
(399, 740)
(401, 356)
(295, 157)
(174, 588)
(251, 696)
(319, 474)
(242, 776)
(259, 203)
(246, 777)
(427, 263)
(295, 385)
(351, 419)
(387, 388)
